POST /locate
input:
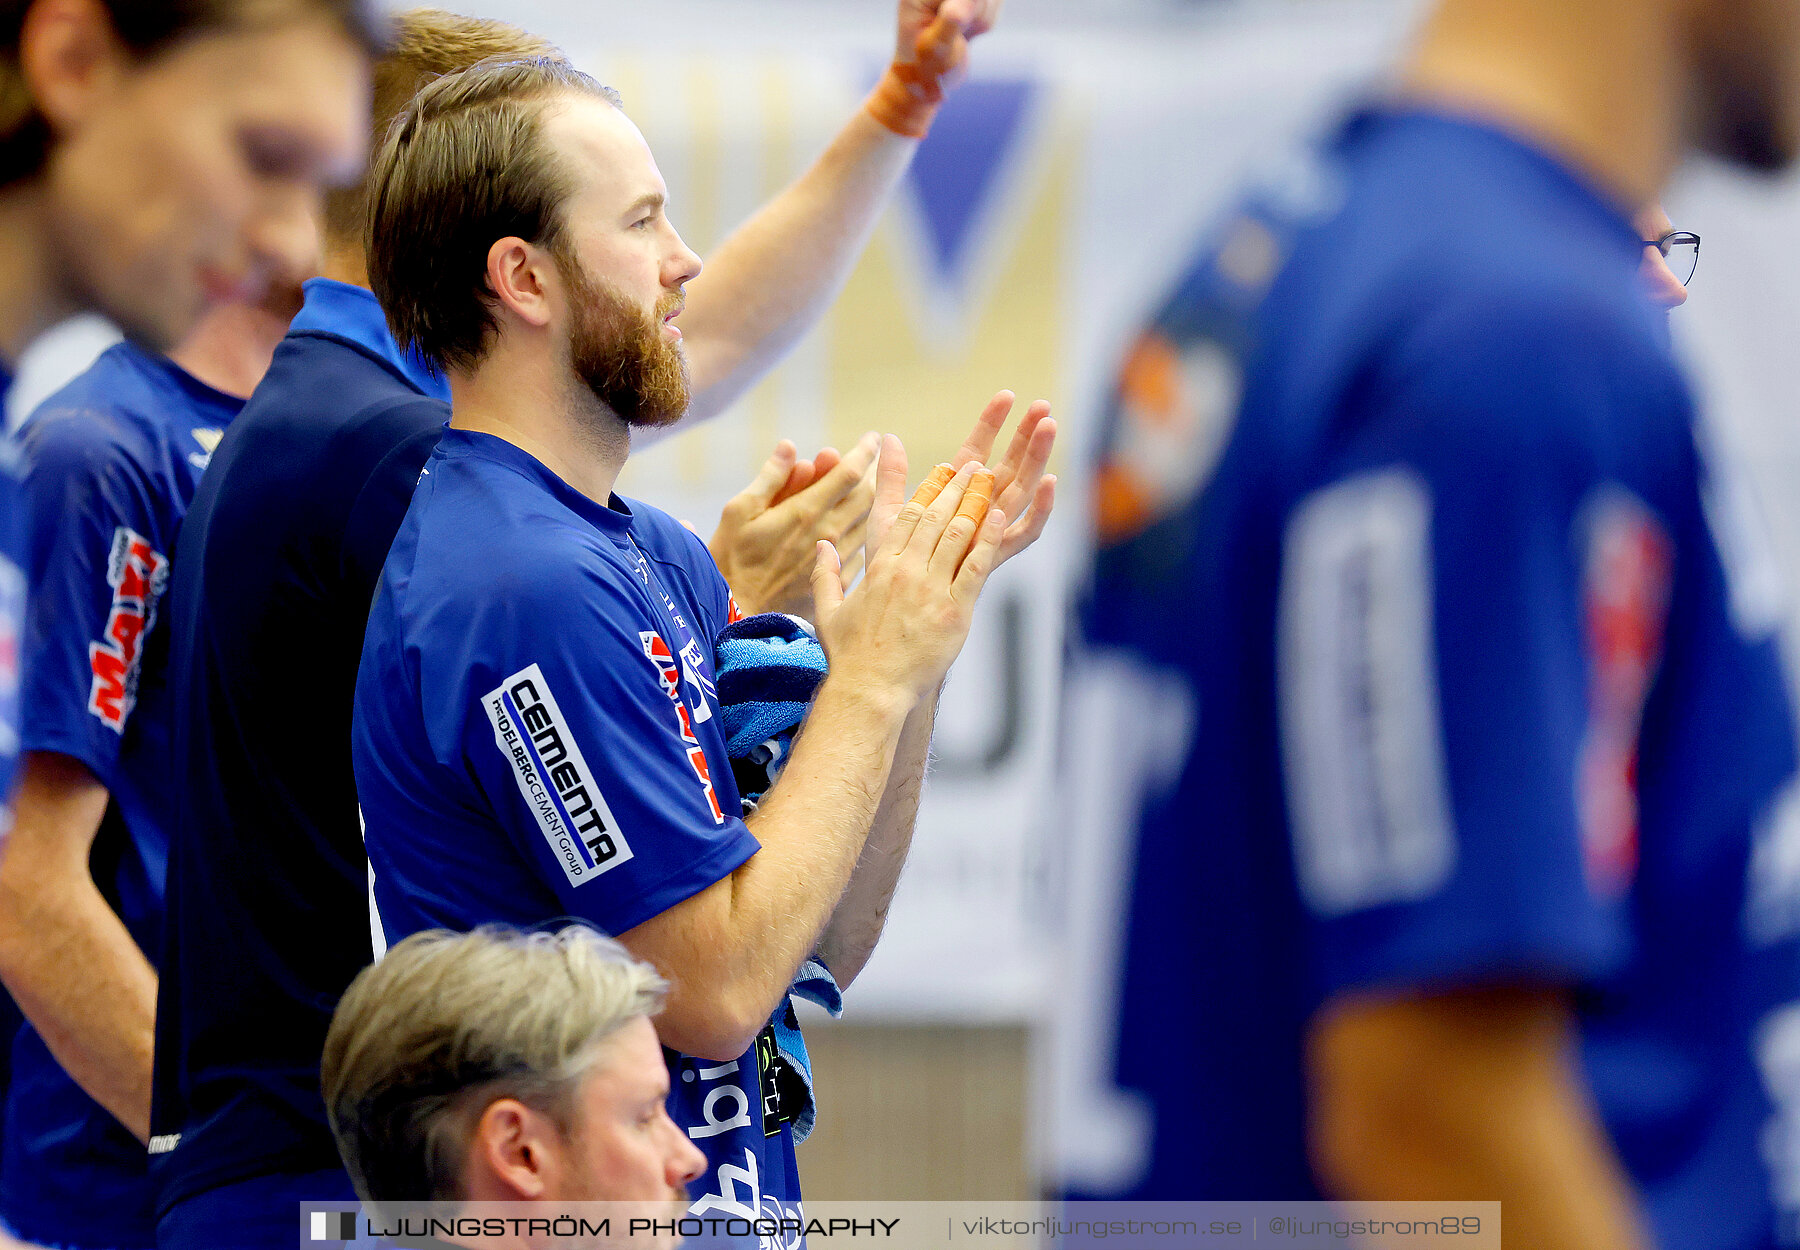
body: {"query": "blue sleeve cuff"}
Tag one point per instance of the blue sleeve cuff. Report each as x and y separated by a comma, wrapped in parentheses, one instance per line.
(88, 750)
(1571, 951)
(682, 884)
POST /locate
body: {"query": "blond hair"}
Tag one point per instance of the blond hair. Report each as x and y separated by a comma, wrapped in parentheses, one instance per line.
(425, 1040)
(426, 45)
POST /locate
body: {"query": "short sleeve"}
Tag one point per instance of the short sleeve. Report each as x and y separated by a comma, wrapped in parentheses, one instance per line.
(1472, 606)
(98, 567)
(592, 756)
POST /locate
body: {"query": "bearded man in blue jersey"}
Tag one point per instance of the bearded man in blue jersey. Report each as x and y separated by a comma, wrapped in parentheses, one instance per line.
(537, 729)
(267, 913)
(1459, 839)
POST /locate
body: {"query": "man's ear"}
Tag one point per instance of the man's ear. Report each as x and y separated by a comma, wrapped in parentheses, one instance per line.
(514, 1154)
(523, 279)
(71, 58)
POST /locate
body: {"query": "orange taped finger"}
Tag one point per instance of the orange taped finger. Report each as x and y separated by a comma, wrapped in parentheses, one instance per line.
(978, 498)
(933, 486)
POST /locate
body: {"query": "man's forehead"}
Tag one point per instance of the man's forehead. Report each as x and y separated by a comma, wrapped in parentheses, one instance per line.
(603, 150)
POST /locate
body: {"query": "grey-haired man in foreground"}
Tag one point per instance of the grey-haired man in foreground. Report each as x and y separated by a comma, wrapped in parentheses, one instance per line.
(502, 1067)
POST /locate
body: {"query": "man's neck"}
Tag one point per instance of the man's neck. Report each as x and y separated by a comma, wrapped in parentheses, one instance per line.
(33, 291)
(1596, 84)
(231, 348)
(343, 262)
(543, 411)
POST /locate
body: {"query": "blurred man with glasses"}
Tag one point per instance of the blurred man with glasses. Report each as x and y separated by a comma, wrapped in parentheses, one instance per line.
(1464, 822)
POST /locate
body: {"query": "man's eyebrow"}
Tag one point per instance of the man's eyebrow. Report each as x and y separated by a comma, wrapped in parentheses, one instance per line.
(654, 200)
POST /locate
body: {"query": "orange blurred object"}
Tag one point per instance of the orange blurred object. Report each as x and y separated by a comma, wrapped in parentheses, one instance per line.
(907, 97)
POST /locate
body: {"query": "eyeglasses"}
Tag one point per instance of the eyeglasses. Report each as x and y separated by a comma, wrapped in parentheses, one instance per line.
(1681, 249)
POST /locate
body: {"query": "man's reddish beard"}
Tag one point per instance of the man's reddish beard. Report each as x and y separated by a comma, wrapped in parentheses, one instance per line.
(621, 352)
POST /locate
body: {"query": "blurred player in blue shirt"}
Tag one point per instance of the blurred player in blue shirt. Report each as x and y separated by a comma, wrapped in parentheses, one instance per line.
(1460, 750)
(150, 162)
(537, 731)
(115, 458)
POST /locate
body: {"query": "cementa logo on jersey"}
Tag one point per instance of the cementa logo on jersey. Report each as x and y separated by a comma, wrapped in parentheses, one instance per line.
(559, 787)
(138, 575)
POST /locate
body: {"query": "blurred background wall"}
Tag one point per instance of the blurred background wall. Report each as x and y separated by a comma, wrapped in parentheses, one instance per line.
(1059, 194)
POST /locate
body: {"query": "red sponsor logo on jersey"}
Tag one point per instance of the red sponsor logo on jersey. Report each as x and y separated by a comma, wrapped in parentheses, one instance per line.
(733, 614)
(669, 670)
(138, 574)
(1625, 611)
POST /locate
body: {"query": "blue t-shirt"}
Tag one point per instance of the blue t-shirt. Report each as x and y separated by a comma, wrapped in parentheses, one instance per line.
(537, 735)
(1467, 671)
(267, 912)
(114, 459)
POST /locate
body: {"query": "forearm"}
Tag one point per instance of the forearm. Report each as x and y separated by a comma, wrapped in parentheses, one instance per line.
(772, 280)
(1445, 1120)
(1545, 1160)
(83, 983)
(861, 915)
(731, 952)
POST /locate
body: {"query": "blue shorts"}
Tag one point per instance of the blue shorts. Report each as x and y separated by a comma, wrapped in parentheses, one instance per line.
(262, 1213)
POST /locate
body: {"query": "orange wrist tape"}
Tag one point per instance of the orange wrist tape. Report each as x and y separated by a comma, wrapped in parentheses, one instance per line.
(907, 97)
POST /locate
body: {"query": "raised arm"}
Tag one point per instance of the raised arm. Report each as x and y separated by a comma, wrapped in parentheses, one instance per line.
(773, 278)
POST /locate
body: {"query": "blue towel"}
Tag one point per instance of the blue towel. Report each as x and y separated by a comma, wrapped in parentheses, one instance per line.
(815, 984)
(768, 668)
